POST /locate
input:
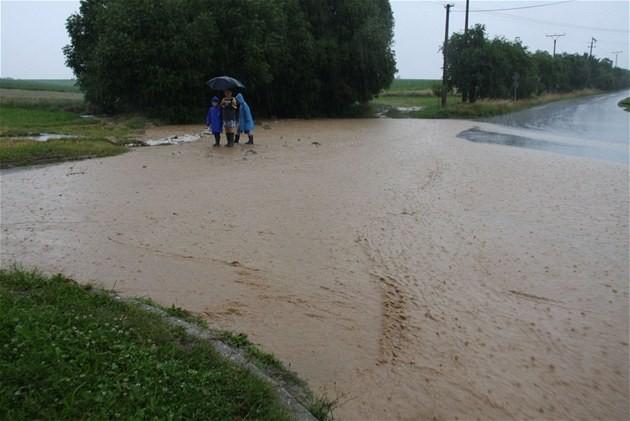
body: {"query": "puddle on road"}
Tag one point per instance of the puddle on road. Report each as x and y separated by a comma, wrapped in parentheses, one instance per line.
(45, 137)
(481, 136)
(172, 140)
(398, 112)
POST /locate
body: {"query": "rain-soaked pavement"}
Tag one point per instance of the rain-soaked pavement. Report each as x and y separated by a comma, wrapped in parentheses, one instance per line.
(594, 127)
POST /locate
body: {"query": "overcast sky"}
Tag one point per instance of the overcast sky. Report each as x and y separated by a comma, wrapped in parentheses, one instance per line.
(33, 32)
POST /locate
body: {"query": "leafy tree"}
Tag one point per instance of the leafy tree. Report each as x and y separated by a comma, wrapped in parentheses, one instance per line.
(484, 68)
(465, 61)
(297, 57)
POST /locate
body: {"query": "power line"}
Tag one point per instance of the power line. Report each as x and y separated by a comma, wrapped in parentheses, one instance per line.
(519, 8)
(568, 25)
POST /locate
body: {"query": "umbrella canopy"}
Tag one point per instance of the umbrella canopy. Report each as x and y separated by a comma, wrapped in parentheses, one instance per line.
(221, 83)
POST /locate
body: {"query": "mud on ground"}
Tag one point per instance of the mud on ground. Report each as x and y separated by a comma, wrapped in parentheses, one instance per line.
(414, 274)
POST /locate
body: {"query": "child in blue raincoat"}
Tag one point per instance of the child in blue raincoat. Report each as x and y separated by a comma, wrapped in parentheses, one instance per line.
(214, 121)
(246, 120)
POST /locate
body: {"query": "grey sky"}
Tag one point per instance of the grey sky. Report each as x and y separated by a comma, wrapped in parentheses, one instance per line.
(33, 32)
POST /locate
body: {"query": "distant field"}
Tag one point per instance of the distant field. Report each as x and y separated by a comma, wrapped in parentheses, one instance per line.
(411, 85)
(37, 98)
(57, 85)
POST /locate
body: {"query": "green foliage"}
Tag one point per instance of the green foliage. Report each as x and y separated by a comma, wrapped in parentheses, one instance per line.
(66, 353)
(484, 68)
(323, 408)
(436, 89)
(297, 57)
(262, 359)
(625, 104)
(183, 314)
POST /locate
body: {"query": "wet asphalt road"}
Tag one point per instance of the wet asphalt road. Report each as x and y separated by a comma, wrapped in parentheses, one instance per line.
(597, 126)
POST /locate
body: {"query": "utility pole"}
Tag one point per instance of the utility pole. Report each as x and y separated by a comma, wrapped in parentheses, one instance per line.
(616, 53)
(555, 39)
(593, 41)
(444, 51)
(466, 22)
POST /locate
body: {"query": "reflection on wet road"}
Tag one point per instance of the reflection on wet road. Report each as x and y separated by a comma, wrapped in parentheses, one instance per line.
(481, 136)
(594, 127)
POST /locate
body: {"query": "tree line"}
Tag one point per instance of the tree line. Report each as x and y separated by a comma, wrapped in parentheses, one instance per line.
(479, 67)
(297, 57)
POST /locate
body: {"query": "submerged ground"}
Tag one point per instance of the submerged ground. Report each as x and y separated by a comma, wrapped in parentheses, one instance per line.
(412, 273)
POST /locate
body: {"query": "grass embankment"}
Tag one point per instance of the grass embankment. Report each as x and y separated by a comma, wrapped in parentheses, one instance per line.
(405, 87)
(407, 94)
(58, 85)
(40, 112)
(68, 353)
(625, 104)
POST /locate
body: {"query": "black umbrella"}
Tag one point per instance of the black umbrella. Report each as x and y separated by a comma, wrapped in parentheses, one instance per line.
(222, 83)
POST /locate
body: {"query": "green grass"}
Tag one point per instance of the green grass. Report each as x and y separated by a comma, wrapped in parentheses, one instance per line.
(625, 104)
(18, 152)
(59, 85)
(66, 353)
(403, 85)
(175, 311)
(33, 118)
(51, 100)
(390, 100)
(320, 406)
(95, 137)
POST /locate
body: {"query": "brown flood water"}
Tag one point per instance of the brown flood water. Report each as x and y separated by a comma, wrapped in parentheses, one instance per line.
(413, 274)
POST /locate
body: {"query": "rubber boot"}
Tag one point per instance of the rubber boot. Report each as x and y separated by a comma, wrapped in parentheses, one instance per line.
(251, 140)
(230, 140)
(238, 137)
(217, 140)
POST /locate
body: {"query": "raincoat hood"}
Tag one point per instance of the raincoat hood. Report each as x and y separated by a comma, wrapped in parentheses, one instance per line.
(241, 99)
(215, 99)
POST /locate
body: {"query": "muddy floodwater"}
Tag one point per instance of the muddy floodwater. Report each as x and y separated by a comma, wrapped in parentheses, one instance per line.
(410, 273)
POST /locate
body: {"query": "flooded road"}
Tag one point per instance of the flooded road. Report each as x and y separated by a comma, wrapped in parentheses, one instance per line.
(593, 126)
(410, 273)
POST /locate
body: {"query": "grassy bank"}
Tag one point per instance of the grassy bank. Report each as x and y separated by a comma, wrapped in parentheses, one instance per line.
(67, 101)
(391, 101)
(68, 353)
(410, 87)
(58, 85)
(93, 137)
(16, 152)
(625, 104)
